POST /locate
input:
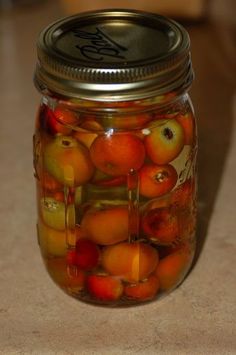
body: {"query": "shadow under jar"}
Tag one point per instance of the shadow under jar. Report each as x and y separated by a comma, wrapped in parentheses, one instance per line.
(114, 156)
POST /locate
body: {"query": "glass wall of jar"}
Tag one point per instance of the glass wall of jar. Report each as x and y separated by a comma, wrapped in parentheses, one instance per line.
(116, 196)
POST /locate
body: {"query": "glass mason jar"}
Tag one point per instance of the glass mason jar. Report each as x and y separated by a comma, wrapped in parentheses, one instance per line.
(114, 156)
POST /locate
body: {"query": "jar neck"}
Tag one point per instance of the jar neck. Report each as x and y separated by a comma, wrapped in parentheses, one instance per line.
(160, 102)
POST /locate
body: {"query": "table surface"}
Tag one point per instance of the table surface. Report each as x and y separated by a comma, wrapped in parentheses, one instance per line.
(35, 316)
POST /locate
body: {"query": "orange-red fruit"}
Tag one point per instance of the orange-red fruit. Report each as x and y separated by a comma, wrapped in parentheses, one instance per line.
(144, 290)
(165, 141)
(161, 226)
(165, 250)
(87, 254)
(90, 124)
(61, 119)
(115, 181)
(104, 180)
(132, 262)
(172, 269)
(127, 121)
(104, 288)
(65, 276)
(157, 180)
(71, 257)
(48, 182)
(187, 123)
(60, 196)
(116, 154)
(184, 194)
(106, 226)
(85, 137)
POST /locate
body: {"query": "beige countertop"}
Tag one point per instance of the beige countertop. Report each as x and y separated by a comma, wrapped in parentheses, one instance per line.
(35, 316)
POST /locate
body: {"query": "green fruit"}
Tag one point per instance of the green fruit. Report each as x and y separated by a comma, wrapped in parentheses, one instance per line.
(56, 215)
(68, 161)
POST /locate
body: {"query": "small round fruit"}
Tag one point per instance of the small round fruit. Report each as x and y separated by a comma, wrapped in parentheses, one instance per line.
(59, 196)
(64, 276)
(172, 269)
(90, 124)
(165, 250)
(49, 183)
(104, 180)
(157, 180)
(117, 154)
(161, 226)
(56, 215)
(126, 122)
(183, 196)
(165, 142)
(187, 123)
(52, 242)
(85, 137)
(87, 254)
(68, 161)
(61, 120)
(106, 226)
(163, 201)
(71, 257)
(104, 288)
(144, 290)
(111, 182)
(131, 262)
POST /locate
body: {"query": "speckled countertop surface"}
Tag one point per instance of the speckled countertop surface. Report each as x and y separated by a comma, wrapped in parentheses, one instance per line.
(35, 316)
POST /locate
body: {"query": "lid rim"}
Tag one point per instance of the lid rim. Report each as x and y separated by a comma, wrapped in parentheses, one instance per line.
(105, 93)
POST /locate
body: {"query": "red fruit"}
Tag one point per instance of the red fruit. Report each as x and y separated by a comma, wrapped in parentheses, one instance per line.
(87, 254)
(165, 250)
(60, 120)
(157, 180)
(64, 276)
(49, 183)
(127, 122)
(117, 154)
(161, 226)
(184, 194)
(144, 290)
(104, 288)
(172, 269)
(116, 181)
(60, 196)
(104, 180)
(187, 123)
(71, 257)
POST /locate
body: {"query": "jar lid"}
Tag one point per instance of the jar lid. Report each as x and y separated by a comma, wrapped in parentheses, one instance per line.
(113, 55)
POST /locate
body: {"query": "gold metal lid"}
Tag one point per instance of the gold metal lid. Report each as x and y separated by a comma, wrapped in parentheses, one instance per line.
(113, 55)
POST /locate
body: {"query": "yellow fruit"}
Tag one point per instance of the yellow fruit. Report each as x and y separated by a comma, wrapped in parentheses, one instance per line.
(68, 161)
(56, 215)
(53, 242)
